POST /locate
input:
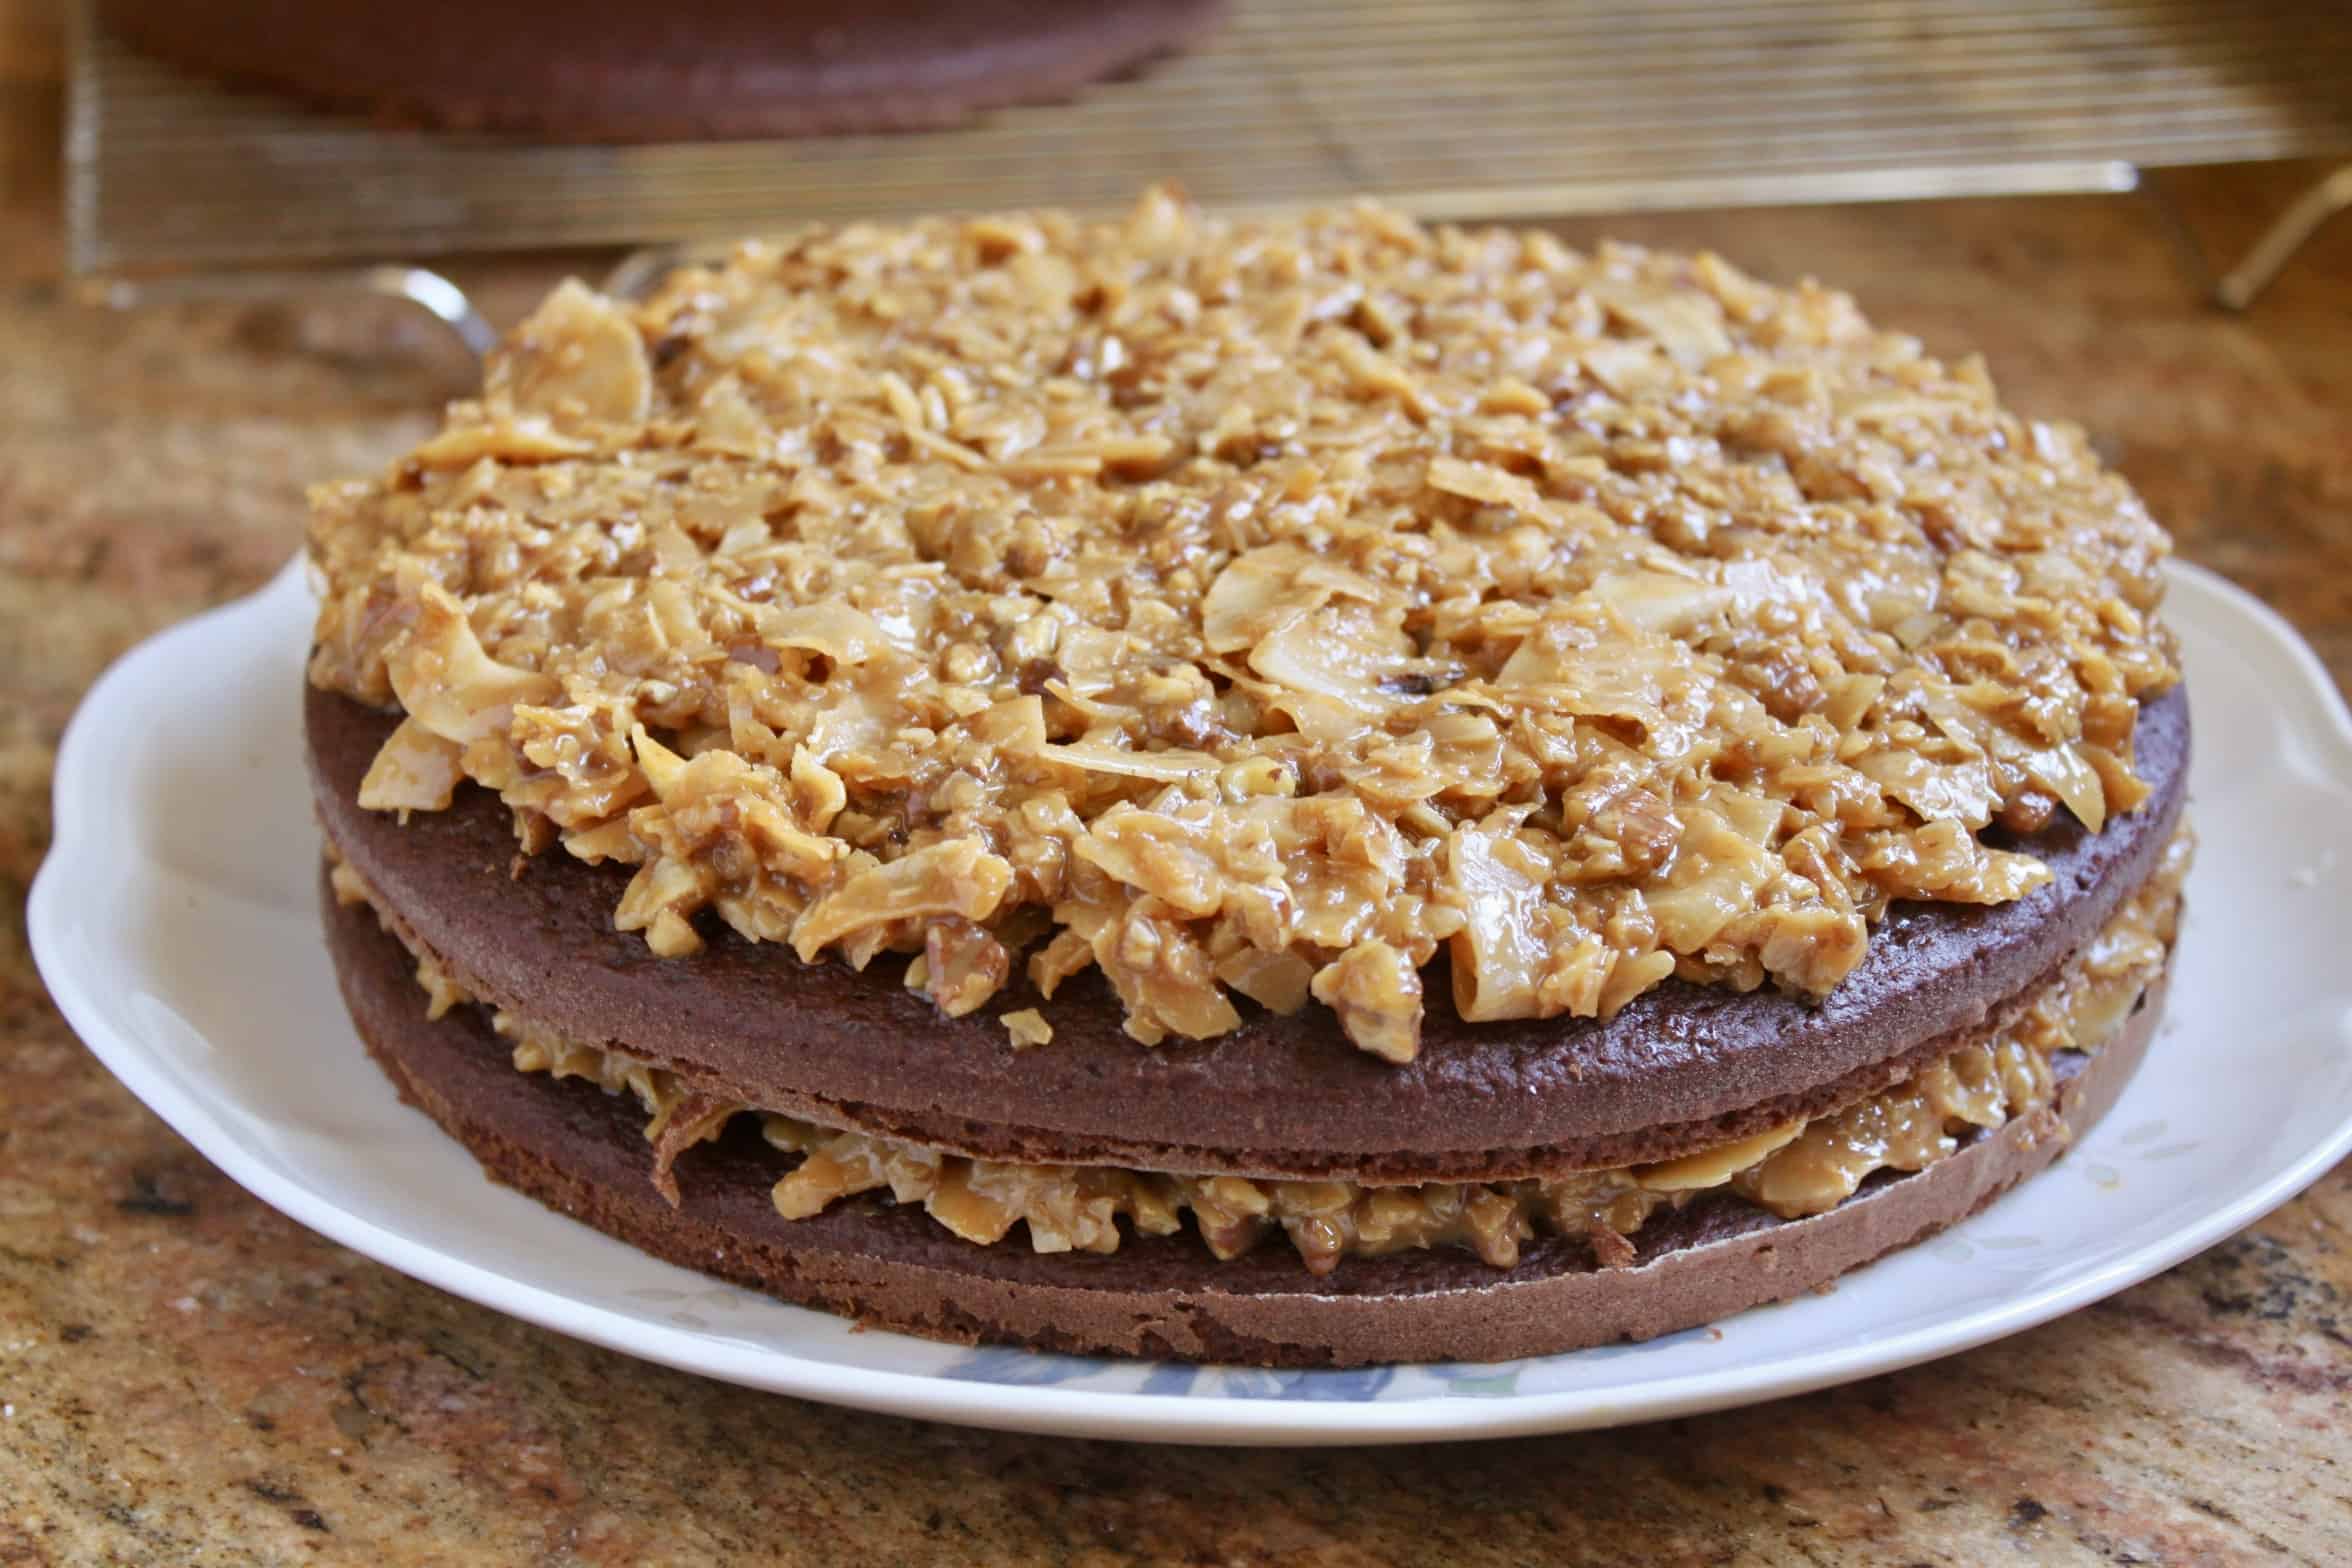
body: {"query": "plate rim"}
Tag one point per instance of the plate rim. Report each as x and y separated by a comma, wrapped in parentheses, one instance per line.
(1117, 1414)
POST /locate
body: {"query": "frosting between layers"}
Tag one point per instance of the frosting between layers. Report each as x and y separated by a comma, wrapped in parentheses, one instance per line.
(1252, 609)
(1802, 1168)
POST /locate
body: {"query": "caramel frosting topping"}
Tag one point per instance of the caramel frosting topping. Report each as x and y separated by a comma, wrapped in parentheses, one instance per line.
(1251, 610)
(1807, 1166)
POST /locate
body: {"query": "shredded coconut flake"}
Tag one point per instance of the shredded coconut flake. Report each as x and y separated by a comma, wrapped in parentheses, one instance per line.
(1252, 608)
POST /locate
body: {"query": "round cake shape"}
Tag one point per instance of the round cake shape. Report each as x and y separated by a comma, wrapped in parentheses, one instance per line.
(1493, 764)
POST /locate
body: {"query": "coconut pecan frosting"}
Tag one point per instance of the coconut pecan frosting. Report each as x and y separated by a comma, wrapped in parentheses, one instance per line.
(1251, 609)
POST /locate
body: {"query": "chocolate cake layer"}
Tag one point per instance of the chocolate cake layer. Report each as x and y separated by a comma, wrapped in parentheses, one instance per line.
(684, 70)
(1678, 1068)
(583, 1152)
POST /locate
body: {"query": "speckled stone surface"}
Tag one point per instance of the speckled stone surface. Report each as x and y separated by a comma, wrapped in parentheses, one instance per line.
(186, 1377)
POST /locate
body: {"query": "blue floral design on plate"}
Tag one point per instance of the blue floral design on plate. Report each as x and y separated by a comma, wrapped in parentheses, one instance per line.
(1173, 1379)
(1356, 1385)
(1476, 1379)
(1015, 1367)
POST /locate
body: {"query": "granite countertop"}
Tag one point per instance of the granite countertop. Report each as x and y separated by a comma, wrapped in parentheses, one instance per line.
(186, 1376)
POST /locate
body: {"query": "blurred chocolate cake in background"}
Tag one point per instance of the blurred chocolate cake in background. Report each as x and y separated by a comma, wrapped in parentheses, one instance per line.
(595, 70)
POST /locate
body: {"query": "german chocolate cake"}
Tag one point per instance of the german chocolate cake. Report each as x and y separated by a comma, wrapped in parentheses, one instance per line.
(625, 71)
(1305, 792)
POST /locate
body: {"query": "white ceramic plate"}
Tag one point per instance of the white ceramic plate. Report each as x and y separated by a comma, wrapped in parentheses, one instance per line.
(175, 925)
